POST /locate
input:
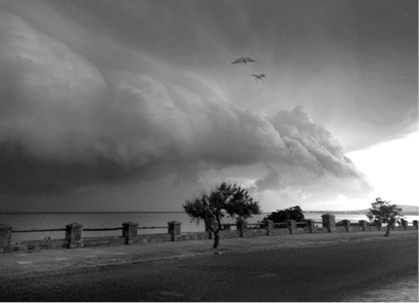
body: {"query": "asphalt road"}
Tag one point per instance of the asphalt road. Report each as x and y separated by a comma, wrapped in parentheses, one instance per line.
(335, 272)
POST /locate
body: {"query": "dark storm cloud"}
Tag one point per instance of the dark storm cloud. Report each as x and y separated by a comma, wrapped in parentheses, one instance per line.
(117, 92)
(65, 126)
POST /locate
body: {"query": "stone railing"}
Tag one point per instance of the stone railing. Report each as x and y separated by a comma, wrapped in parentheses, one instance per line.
(74, 233)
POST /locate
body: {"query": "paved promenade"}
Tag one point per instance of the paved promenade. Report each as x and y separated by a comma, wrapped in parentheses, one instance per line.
(43, 261)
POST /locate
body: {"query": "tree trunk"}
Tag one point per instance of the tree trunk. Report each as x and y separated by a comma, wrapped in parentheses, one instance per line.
(390, 225)
(388, 231)
(216, 239)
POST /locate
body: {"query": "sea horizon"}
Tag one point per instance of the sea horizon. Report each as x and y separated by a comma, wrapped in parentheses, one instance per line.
(361, 211)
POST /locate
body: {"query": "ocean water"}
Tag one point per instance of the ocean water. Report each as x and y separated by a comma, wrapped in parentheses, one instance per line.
(31, 221)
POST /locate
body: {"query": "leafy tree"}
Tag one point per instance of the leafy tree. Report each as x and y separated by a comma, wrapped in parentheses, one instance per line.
(226, 200)
(383, 212)
(293, 213)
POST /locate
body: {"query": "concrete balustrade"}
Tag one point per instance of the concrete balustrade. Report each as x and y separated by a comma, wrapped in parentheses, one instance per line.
(329, 222)
(347, 225)
(291, 226)
(378, 224)
(241, 227)
(363, 224)
(310, 226)
(129, 231)
(174, 230)
(392, 225)
(73, 235)
(227, 226)
(269, 226)
(5, 237)
(74, 239)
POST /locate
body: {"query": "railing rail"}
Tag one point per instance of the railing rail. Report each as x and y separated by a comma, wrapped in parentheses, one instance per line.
(165, 227)
(279, 224)
(86, 229)
(102, 229)
(37, 230)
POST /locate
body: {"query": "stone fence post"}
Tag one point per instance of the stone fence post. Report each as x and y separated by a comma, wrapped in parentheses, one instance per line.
(392, 224)
(346, 224)
(329, 222)
(415, 223)
(226, 226)
(174, 229)
(291, 226)
(404, 224)
(378, 224)
(241, 227)
(269, 225)
(129, 231)
(310, 225)
(363, 224)
(73, 235)
(5, 237)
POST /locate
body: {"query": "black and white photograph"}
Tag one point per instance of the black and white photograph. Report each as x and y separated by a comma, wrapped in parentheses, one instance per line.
(209, 151)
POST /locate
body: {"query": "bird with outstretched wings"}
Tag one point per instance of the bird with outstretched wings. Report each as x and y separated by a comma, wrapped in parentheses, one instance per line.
(243, 60)
(259, 77)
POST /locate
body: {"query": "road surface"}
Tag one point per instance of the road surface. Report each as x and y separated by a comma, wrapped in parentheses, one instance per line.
(336, 272)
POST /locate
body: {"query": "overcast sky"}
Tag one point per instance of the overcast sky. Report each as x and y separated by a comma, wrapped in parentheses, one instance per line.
(135, 105)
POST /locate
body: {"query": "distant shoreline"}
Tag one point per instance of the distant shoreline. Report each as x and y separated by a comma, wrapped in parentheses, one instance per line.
(89, 212)
(179, 212)
(356, 212)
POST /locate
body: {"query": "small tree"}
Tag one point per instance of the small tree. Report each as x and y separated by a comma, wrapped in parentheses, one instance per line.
(293, 213)
(226, 200)
(383, 212)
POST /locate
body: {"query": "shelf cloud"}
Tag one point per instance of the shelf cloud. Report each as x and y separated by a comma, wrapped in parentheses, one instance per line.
(89, 101)
(66, 123)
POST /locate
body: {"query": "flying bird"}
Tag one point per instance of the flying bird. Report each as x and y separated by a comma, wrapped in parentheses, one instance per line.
(259, 77)
(243, 60)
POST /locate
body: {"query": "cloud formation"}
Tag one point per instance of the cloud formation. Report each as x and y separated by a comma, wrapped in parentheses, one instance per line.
(68, 123)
